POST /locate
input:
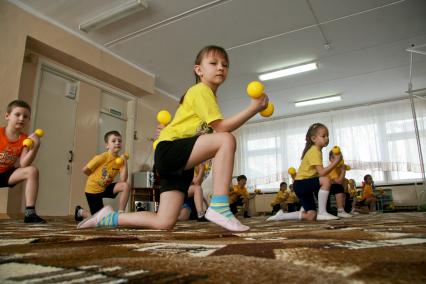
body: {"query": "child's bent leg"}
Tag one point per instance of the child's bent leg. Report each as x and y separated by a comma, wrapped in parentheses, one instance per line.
(166, 217)
(322, 200)
(340, 200)
(30, 175)
(124, 189)
(221, 147)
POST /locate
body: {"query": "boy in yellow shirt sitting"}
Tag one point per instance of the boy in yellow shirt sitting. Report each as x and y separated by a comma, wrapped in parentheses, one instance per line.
(239, 196)
(279, 198)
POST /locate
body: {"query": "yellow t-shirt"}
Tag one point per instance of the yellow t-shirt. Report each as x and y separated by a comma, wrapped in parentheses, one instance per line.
(292, 197)
(312, 158)
(367, 191)
(335, 173)
(198, 110)
(104, 169)
(280, 197)
(352, 190)
(236, 192)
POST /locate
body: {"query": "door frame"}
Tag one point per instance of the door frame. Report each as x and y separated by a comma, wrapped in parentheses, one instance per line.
(45, 63)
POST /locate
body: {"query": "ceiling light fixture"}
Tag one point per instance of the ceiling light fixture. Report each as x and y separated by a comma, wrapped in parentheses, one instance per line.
(113, 15)
(317, 101)
(288, 71)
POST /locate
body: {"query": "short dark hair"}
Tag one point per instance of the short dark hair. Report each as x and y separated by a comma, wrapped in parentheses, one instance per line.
(366, 177)
(17, 103)
(241, 177)
(109, 133)
(281, 184)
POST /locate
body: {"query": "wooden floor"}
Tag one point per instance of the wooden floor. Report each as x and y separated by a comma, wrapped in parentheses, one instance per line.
(380, 248)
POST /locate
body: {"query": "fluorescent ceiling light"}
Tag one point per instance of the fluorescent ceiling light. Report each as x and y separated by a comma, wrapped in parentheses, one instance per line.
(113, 15)
(318, 101)
(288, 71)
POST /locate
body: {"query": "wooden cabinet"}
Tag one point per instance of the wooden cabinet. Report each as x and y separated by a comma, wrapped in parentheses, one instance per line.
(144, 194)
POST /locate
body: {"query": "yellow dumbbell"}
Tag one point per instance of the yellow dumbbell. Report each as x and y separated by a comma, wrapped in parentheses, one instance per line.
(28, 142)
(164, 117)
(120, 160)
(291, 171)
(255, 89)
(348, 168)
(336, 150)
(268, 111)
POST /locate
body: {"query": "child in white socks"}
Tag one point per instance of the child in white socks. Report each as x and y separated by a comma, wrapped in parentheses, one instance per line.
(312, 177)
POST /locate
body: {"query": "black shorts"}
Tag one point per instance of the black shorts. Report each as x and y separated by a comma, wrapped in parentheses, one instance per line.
(170, 160)
(5, 176)
(95, 199)
(305, 190)
(336, 188)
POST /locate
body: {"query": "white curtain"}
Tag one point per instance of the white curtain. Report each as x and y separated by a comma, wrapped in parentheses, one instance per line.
(376, 139)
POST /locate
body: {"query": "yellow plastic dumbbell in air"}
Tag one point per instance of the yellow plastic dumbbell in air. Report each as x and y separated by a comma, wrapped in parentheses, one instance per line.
(255, 89)
(164, 117)
(120, 160)
(28, 142)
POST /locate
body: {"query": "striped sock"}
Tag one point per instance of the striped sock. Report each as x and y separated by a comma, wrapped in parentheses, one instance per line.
(220, 204)
(110, 220)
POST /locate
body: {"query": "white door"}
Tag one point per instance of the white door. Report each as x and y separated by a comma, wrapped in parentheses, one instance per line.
(55, 113)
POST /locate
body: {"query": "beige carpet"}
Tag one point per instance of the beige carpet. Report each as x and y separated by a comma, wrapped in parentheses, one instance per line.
(381, 248)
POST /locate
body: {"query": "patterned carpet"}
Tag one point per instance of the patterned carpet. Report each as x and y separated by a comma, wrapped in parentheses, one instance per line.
(380, 248)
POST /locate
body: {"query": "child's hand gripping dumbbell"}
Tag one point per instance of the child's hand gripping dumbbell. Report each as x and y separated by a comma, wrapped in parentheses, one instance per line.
(255, 90)
(28, 142)
(120, 160)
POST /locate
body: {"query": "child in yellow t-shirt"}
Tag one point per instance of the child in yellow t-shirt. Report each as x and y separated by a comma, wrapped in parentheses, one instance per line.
(102, 170)
(239, 196)
(337, 177)
(292, 200)
(367, 196)
(180, 148)
(279, 198)
(351, 197)
(312, 177)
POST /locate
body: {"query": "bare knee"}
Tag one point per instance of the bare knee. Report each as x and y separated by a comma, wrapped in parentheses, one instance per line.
(123, 187)
(325, 182)
(31, 172)
(228, 141)
(165, 224)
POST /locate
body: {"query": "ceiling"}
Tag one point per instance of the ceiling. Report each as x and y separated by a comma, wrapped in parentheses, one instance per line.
(365, 61)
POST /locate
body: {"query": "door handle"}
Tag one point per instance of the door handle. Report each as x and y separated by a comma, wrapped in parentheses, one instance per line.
(71, 158)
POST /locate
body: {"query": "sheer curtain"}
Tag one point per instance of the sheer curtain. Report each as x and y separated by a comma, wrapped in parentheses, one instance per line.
(376, 139)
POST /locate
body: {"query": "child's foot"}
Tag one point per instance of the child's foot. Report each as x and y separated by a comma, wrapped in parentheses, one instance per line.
(202, 219)
(326, 216)
(77, 216)
(231, 224)
(343, 214)
(92, 221)
(276, 216)
(246, 215)
(34, 219)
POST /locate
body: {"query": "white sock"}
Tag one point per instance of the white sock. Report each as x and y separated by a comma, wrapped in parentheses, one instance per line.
(322, 201)
(297, 215)
(341, 210)
(120, 211)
